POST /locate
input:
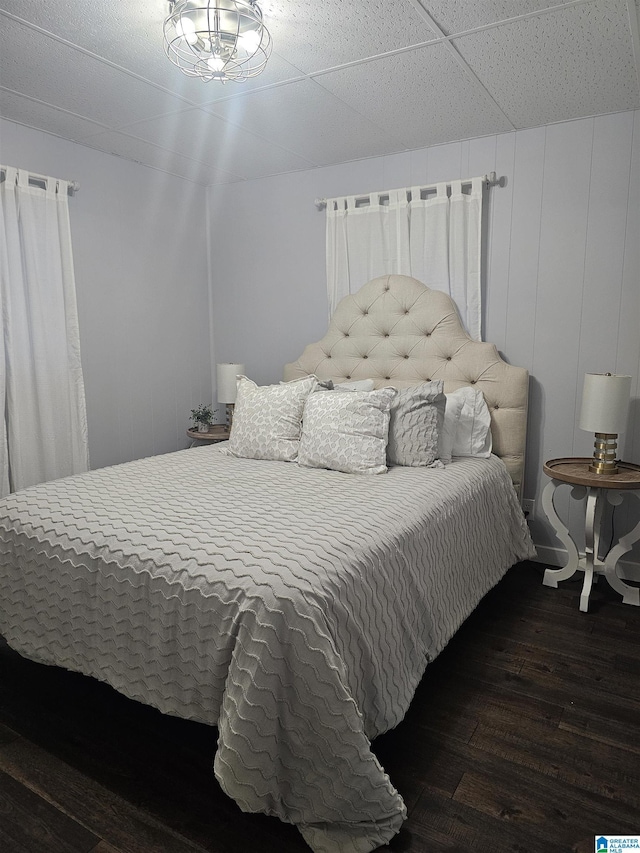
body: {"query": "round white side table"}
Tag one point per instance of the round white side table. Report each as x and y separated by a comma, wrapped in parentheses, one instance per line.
(600, 490)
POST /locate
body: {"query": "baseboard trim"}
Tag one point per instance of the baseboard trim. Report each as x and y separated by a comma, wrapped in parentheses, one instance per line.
(628, 570)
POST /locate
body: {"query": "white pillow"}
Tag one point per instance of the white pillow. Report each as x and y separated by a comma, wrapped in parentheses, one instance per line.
(346, 431)
(466, 430)
(473, 434)
(447, 435)
(416, 418)
(267, 419)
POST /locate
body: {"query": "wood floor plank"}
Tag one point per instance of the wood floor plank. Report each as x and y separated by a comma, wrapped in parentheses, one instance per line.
(103, 847)
(618, 776)
(496, 697)
(469, 830)
(529, 779)
(537, 627)
(502, 648)
(559, 688)
(412, 766)
(628, 666)
(603, 730)
(7, 734)
(554, 820)
(49, 781)
(29, 824)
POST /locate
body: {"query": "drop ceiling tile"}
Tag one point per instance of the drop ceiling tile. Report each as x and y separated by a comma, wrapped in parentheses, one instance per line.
(456, 16)
(304, 117)
(51, 71)
(575, 62)
(130, 35)
(202, 92)
(140, 151)
(36, 114)
(207, 138)
(424, 94)
(71, 16)
(314, 35)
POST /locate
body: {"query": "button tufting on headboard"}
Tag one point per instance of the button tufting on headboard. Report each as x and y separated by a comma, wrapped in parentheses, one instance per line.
(425, 324)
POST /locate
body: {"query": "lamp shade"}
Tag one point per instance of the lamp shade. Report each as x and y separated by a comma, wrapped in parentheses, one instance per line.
(226, 375)
(605, 403)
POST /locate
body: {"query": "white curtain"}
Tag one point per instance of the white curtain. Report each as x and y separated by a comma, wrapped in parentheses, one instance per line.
(436, 239)
(44, 433)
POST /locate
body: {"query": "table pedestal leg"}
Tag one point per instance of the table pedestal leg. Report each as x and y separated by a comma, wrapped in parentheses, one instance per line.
(553, 576)
(592, 521)
(630, 594)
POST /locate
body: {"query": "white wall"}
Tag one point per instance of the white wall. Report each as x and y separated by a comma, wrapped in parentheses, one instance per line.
(562, 290)
(139, 242)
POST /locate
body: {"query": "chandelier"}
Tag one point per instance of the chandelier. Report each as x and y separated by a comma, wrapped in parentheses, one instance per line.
(217, 39)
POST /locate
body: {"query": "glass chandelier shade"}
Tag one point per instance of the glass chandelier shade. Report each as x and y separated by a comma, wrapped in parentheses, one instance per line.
(217, 39)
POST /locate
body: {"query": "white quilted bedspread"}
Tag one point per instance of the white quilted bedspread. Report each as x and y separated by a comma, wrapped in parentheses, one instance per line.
(296, 609)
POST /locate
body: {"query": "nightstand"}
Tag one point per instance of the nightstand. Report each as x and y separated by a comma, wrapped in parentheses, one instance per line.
(600, 490)
(216, 432)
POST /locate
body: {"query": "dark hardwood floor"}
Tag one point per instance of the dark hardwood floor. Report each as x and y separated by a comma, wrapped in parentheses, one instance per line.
(524, 736)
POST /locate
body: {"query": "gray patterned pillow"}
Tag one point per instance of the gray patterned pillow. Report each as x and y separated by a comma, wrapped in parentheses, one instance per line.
(417, 415)
(346, 431)
(355, 385)
(267, 419)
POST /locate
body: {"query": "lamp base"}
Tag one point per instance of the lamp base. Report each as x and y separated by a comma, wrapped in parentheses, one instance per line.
(230, 407)
(604, 454)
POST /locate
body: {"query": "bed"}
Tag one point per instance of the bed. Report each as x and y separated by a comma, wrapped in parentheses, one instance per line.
(295, 608)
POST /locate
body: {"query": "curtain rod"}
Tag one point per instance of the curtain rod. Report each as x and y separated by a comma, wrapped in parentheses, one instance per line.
(491, 180)
(74, 186)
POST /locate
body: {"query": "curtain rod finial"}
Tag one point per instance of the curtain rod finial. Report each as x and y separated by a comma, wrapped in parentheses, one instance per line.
(494, 181)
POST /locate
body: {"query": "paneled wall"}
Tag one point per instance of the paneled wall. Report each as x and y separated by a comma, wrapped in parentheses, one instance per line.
(562, 283)
(139, 241)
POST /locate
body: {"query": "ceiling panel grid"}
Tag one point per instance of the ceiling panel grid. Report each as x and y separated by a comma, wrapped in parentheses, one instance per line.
(346, 80)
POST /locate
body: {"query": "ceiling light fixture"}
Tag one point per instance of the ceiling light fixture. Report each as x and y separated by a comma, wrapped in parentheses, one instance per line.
(217, 39)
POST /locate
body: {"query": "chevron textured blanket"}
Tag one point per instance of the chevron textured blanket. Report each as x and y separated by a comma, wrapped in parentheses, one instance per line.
(295, 609)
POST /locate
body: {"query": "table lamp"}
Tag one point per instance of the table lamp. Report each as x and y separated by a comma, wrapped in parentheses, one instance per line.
(605, 404)
(228, 386)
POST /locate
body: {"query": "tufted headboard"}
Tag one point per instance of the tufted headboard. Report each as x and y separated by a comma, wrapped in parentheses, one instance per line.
(398, 332)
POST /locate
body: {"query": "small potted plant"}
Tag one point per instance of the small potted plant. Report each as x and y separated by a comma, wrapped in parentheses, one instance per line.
(202, 417)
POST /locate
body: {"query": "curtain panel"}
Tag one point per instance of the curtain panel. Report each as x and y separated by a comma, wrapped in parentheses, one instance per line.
(44, 434)
(436, 239)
